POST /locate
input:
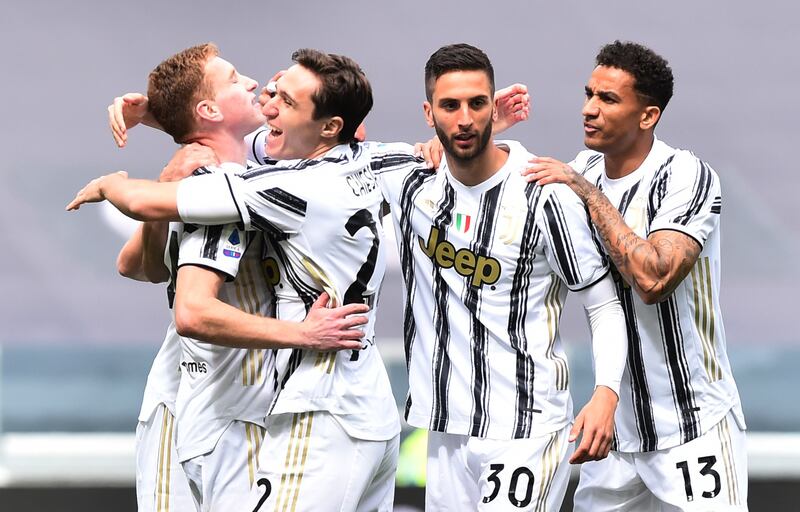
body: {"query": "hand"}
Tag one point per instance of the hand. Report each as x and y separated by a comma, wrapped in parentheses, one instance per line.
(596, 421)
(327, 329)
(431, 151)
(126, 112)
(513, 105)
(544, 170)
(267, 92)
(186, 160)
(93, 191)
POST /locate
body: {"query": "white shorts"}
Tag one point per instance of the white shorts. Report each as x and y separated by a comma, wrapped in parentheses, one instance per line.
(309, 463)
(706, 474)
(221, 479)
(161, 485)
(470, 473)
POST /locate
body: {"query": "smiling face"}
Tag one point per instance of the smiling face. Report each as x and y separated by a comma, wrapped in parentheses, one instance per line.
(290, 114)
(234, 99)
(615, 117)
(462, 112)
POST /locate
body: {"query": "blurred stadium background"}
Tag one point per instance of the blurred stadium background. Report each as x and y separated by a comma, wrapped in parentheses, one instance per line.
(76, 340)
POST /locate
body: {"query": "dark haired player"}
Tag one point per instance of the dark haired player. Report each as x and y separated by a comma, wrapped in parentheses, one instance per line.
(679, 441)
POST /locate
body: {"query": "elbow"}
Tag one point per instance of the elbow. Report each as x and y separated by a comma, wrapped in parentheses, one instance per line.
(125, 269)
(651, 298)
(188, 319)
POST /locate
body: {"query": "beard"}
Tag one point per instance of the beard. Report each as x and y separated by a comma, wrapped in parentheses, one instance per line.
(464, 155)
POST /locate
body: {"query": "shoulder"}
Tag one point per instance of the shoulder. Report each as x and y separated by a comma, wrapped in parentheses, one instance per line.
(587, 161)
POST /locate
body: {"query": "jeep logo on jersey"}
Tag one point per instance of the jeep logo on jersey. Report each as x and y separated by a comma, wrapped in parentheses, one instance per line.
(481, 269)
(194, 367)
(233, 249)
(272, 272)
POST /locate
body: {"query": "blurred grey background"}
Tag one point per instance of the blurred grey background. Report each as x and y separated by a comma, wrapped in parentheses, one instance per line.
(74, 332)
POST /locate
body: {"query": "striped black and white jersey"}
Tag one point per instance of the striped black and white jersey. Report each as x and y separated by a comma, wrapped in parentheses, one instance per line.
(678, 382)
(322, 220)
(486, 271)
(222, 384)
(164, 376)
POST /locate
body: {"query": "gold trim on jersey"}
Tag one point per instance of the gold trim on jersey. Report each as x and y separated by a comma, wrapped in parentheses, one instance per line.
(731, 478)
(549, 465)
(164, 461)
(704, 316)
(553, 305)
(295, 462)
(254, 435)
(326, 283)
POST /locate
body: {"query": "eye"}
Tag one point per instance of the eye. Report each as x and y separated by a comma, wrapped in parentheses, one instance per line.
(478, 103)
(449, 105)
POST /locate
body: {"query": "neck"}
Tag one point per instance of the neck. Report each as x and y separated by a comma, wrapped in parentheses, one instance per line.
(321, 149)
(227, 146)
(479, 169)
(624, 163)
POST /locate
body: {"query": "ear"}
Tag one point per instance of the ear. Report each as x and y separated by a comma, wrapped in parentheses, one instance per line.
(495, 115)
(426, 107)
(209, 110)
(332, 127)
(650, 117)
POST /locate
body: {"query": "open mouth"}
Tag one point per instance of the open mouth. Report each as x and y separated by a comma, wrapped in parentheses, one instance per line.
(274, 132)
(464, 138)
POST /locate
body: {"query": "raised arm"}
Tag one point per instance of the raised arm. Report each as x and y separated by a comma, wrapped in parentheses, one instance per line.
(654, 266)
(201, 315)
(127, 111)
(143, 200)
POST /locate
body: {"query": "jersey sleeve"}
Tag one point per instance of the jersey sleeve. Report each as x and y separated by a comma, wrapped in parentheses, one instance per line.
(571, 247)
(391, 163)
(219, 248)
(256, 145)
(685, 196)
(208, 199)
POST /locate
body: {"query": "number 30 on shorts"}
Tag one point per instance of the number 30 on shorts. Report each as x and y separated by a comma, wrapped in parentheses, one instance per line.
(520, 485)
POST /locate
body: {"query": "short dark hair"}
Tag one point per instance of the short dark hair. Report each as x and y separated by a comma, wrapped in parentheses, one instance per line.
(176, 85)
(456, 57)
(652, 76)
(344, 90)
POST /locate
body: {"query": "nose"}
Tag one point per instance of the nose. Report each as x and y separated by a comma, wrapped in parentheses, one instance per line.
(590, 108)
(268, 103)
(464, 117)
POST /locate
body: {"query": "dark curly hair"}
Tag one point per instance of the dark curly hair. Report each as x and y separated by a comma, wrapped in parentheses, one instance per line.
(651, 72)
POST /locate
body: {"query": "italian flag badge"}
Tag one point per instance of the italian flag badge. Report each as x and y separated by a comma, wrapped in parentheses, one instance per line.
(463, 222)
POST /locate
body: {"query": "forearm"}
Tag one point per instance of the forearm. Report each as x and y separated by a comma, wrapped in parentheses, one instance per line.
(213, 321)
(129, 259)
(649, 268)
(154, 242)
(141, 199)
(609, 335)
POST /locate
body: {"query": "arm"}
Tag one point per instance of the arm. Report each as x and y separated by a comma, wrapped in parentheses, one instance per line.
(142, 256)
(200, 314)
(609, 347)
(126, 112)
(654, 266)
(139, 199)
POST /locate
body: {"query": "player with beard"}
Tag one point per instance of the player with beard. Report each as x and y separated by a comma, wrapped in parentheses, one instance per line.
(487, 261)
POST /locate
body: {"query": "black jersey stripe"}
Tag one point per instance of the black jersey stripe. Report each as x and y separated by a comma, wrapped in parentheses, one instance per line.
(702, 188)
(627, 197)
(518, 312)
(394, 161)
(412, 184)
(716, 206)
(441, 356)
(481, 246)
(173, 246)
(658, 188)
(262, 224)
(253, 148)
(286, 200)
(292, 166)
(591, 162)
(678, 370)
(562, 243)
(640, 391)
(211, 242)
